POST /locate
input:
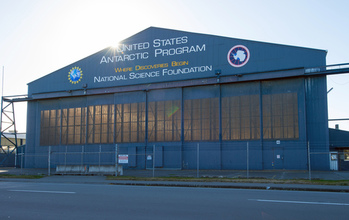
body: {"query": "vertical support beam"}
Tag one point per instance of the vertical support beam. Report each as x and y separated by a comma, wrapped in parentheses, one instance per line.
(154, 160)
(61, 123)
(305, 89)
(146, 128)
(182, 129)
(197, 160)
(261, 122)
(247, 161)
(116, 160)
(146, 118)
(309, 161)
(115, 114)
(220, 125)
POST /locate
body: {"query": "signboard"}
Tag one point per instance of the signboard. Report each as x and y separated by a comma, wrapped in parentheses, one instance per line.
(123, 158)
(155, 58)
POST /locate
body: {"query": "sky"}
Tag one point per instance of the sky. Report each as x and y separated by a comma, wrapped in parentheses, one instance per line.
(38, 37)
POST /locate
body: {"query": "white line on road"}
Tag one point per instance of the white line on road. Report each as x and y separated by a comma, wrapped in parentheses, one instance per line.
(301, 202)
(39, 191)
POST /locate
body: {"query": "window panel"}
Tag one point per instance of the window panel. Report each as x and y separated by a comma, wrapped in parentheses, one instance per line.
(50, 127)
(130, 126)
(280, 116)
(346, 155)
(201, 121)
(118, 133)
(164, 121)
(242, 117)
(126, 137)
(101, 124)
(134, 137)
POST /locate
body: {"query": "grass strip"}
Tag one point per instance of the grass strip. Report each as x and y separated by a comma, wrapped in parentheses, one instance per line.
(21, 176)
(234, 180)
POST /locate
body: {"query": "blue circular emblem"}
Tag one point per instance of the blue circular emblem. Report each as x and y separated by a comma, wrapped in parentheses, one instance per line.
(75, 75)
(238, 56)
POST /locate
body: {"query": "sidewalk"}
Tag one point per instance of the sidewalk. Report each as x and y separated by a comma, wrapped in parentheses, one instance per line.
(274, 175)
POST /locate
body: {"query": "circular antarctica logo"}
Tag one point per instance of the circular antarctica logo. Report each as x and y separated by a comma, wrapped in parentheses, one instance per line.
(238, 56)
(75, 75)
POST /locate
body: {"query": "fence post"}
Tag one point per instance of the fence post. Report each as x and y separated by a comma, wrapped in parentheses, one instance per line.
(22, 160)
(248, 162)
(16, 155)
(65, 156)
(49, 161)
(22, 154)
(198, 160)
(99, 156)
(154, 160)
(82, 158)
(309, 161)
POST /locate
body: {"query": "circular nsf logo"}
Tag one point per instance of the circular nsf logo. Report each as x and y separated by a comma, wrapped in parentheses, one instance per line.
(238, 56)
(75, 75)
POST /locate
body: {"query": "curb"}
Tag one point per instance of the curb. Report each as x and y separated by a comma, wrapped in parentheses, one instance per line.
(313, 189)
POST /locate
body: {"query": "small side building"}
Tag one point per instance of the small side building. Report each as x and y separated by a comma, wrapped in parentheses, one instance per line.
(8, 150)
(339, 147)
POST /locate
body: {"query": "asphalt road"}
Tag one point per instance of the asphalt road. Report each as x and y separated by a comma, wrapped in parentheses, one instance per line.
(28, 200)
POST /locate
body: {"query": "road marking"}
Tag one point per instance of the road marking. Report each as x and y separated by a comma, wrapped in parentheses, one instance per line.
(301, 202)
(39, 191)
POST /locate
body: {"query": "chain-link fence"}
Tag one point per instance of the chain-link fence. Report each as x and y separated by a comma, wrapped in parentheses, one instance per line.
(244, 160)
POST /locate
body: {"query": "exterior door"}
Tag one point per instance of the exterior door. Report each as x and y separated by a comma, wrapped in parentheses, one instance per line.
(278, 158)
(333, 160)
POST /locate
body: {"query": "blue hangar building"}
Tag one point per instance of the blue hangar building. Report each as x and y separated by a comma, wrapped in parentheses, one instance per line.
(190, 98)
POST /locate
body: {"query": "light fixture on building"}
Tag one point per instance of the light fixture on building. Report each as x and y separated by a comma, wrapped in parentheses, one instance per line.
(217, 73)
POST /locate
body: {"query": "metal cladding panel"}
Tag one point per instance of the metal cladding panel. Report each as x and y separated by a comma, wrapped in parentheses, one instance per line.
(162, 55)
(129, 97)
(285, 154)
(317, 121)
(201, 92)
(132, 156)
(238, 89)
(100, 99)
(31, 132)
(165, 94)
(172, 156)
(205, 156)
(235, 155)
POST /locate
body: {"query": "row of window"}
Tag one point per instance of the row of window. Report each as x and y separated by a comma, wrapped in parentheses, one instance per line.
(127, 123)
